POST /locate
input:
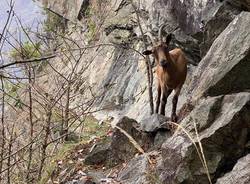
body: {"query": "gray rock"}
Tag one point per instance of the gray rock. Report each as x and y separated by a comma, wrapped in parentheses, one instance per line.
(118, 148)
(153, 123)
(185, 14)
(96, 176)
(240, 173)
(73, 137)
(135, 172)
(243, 4)
(226, 67)
(99, 154)
(80, 182)
(160, 137)
(122, 148)
(140, 170)
(64, 8)
(215, 23)
(223, 124)
(188, 44)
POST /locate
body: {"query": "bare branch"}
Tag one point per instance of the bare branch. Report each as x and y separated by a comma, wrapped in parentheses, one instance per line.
(28, 61)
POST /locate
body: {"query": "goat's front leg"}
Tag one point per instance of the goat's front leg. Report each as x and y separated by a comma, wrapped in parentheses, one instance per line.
(158, 99)
(175, 101)
(164, 98)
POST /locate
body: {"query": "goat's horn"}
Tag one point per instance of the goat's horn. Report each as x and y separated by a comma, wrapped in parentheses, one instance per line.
(160, 32)
(151, 37)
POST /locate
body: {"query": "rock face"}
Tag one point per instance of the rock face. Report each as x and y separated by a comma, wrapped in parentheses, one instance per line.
(239, 174)
(215, 32)
(67, 9)
(243, 4)
(223, 125)
(215, 22)
(226, 66)
(185, 14)
(121, 78)
(122, 73)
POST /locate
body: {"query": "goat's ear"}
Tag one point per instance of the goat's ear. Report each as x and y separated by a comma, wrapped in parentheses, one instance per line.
(147, 52)
(168, 38)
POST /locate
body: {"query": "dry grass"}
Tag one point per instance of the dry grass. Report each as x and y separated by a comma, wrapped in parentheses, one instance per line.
(199, 148)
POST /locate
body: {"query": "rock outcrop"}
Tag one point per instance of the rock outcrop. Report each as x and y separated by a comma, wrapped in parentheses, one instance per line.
(223, 129)
(226, 66)
(64, 8)
(239, 174)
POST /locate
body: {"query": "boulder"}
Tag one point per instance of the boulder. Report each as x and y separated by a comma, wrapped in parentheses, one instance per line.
(135, 171)
(223, 126)
(122, 148)
(154, 123)
(240, 173)
(140, 170)
(117, 149)
(226, 67)
(99, 153)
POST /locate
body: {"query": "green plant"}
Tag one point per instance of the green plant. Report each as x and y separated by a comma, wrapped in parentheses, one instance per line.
(13, 96)
(28, 50)
(90, 128)
(54, 22)
(91, 29)
(88, 12)
(50, 167)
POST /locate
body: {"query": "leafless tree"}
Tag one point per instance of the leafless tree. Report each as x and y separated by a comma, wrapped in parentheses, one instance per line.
(28, 138)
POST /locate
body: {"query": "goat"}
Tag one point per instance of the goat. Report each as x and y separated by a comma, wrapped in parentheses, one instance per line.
(171, 71)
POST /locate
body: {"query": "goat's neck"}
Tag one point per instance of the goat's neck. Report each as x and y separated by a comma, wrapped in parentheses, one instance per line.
(171, 68)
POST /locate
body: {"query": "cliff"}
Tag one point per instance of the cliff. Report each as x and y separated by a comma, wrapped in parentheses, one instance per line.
(215, 36)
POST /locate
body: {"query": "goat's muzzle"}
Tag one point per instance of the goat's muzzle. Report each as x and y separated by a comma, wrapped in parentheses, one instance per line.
(163, 63)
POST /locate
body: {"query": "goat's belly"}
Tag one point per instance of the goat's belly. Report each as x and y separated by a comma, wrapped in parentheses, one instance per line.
(170, 86)
(168, 83)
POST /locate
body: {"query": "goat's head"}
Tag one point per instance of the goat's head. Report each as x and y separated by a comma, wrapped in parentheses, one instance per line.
(160, 48)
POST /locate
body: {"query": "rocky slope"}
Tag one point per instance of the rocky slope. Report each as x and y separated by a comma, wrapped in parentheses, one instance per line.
(215, 35)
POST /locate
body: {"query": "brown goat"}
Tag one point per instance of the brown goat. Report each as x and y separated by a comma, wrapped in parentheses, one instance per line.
(171, 72)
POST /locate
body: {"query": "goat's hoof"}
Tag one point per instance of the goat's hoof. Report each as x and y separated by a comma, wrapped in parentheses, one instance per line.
(174, 118)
